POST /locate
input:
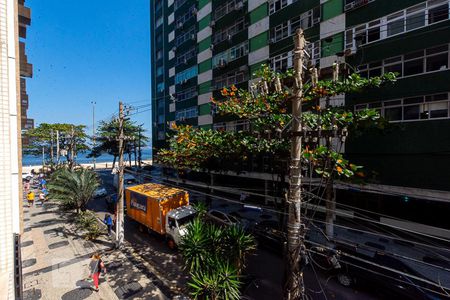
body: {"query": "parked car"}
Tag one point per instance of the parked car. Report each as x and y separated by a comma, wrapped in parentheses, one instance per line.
(269, 235)
(224, 219)
(371, 275)
(100, 192)
(27, 176)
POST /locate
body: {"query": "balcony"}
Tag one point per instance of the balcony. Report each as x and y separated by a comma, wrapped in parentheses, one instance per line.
(24, 15)
(24, 103)
(26, 69)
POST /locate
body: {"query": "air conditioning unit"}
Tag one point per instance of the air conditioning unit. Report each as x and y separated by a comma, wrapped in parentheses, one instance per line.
(174, 49)
(316, 21)
(184, 81)
(271, 41)
(179, 25)
(243, 68)
(239, 5)
(229, 37)
(193, 37)
(212, 24)
(211, 47)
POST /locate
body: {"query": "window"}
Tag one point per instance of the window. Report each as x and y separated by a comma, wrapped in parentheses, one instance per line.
(189, 34)
(438, 12)
(287, 28)
(159, 21)
(161, 111)
(161, 135)
(413, 108)
(187, 113)
(437, 58)
(159, 39)
(230, 54)
(228, 32)
(227, 7)
(185, 57)
(414, 63)
(415, 17)
(282, 62)
(159, 54)
(190, 13)
(178, 3)
(186, 75)
(159, 71)
(276, 5)
(395, 23)
(160, 87)
(411, 18)
(233, 77)
(186, 94)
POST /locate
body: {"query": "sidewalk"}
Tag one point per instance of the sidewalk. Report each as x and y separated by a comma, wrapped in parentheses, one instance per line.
(55, 262)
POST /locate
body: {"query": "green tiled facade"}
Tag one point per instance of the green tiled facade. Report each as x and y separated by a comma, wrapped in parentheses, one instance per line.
(337, 31)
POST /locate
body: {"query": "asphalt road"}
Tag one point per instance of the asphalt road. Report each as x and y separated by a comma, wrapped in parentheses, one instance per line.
(266, 267)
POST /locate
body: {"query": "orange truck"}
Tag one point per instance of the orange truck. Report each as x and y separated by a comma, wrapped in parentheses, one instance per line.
(161, 209)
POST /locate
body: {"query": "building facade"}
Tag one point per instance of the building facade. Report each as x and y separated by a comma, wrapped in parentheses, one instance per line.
(26, 69)
(10, 152)
(198, 47)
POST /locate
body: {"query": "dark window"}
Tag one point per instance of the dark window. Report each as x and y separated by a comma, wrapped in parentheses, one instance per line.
(413, 67)
(218, 215)
(437, 14)
(411, 112)
(375, 72)
(373, 34)
(437, 62)
(415, 21)
(397, 68)
(413, 100)
(393, 113)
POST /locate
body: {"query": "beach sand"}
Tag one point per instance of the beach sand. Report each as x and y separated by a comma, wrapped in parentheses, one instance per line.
(99, 165)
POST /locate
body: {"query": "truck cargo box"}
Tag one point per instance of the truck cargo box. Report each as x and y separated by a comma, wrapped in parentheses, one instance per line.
(149, 203)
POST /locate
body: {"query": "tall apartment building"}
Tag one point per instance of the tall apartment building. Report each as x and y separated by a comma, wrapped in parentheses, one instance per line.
(200, 46)
(10, 151)
(26, 69)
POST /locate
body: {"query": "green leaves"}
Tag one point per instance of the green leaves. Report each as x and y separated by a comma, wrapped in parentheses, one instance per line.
(72, 188)
(215, 257)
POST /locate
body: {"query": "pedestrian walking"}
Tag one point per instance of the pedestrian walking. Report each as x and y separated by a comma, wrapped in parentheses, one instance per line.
(96, 267)
(109, 223)
(30, 198)
(42, 197)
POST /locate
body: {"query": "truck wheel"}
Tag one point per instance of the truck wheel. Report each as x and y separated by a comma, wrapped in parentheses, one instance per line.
(171, 244)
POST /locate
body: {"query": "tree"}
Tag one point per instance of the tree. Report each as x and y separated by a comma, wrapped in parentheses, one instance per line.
(73, 188)
(215, 257)
(108, 133)
(267, 106)
(72, 139)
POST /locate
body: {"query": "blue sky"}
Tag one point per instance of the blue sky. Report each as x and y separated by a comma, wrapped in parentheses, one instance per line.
(88, 50)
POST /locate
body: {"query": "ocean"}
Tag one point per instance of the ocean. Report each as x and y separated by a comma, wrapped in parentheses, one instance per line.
(31, 160)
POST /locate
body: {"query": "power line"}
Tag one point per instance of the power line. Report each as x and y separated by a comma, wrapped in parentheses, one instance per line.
(387, 276)
(164, 181)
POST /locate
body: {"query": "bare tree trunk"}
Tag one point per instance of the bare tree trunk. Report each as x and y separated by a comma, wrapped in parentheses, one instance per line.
(330, 209)
(114, 161)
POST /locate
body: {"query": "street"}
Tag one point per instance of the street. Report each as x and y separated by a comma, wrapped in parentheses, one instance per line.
(266, 268)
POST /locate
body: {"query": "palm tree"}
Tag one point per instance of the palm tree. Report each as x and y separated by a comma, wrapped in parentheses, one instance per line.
(73, 188)
(215, 257)
(238, 245)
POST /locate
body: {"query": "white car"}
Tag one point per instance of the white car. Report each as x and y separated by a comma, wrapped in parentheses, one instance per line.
(100, 192)
(27, 176)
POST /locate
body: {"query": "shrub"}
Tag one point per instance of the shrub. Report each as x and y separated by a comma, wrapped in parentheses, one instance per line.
(87, 222)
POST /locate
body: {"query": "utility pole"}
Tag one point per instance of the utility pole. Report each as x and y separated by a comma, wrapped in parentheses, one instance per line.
(120, 217)
(294, 289)
(93, 130)
(43, 157)
(57, 147)
(51, 146)
(72, 146)
(139, 147)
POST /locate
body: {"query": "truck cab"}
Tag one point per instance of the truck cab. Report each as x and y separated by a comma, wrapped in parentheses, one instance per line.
(176, 223)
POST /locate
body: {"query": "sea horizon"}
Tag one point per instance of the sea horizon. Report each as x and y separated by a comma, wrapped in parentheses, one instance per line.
(34, 160)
